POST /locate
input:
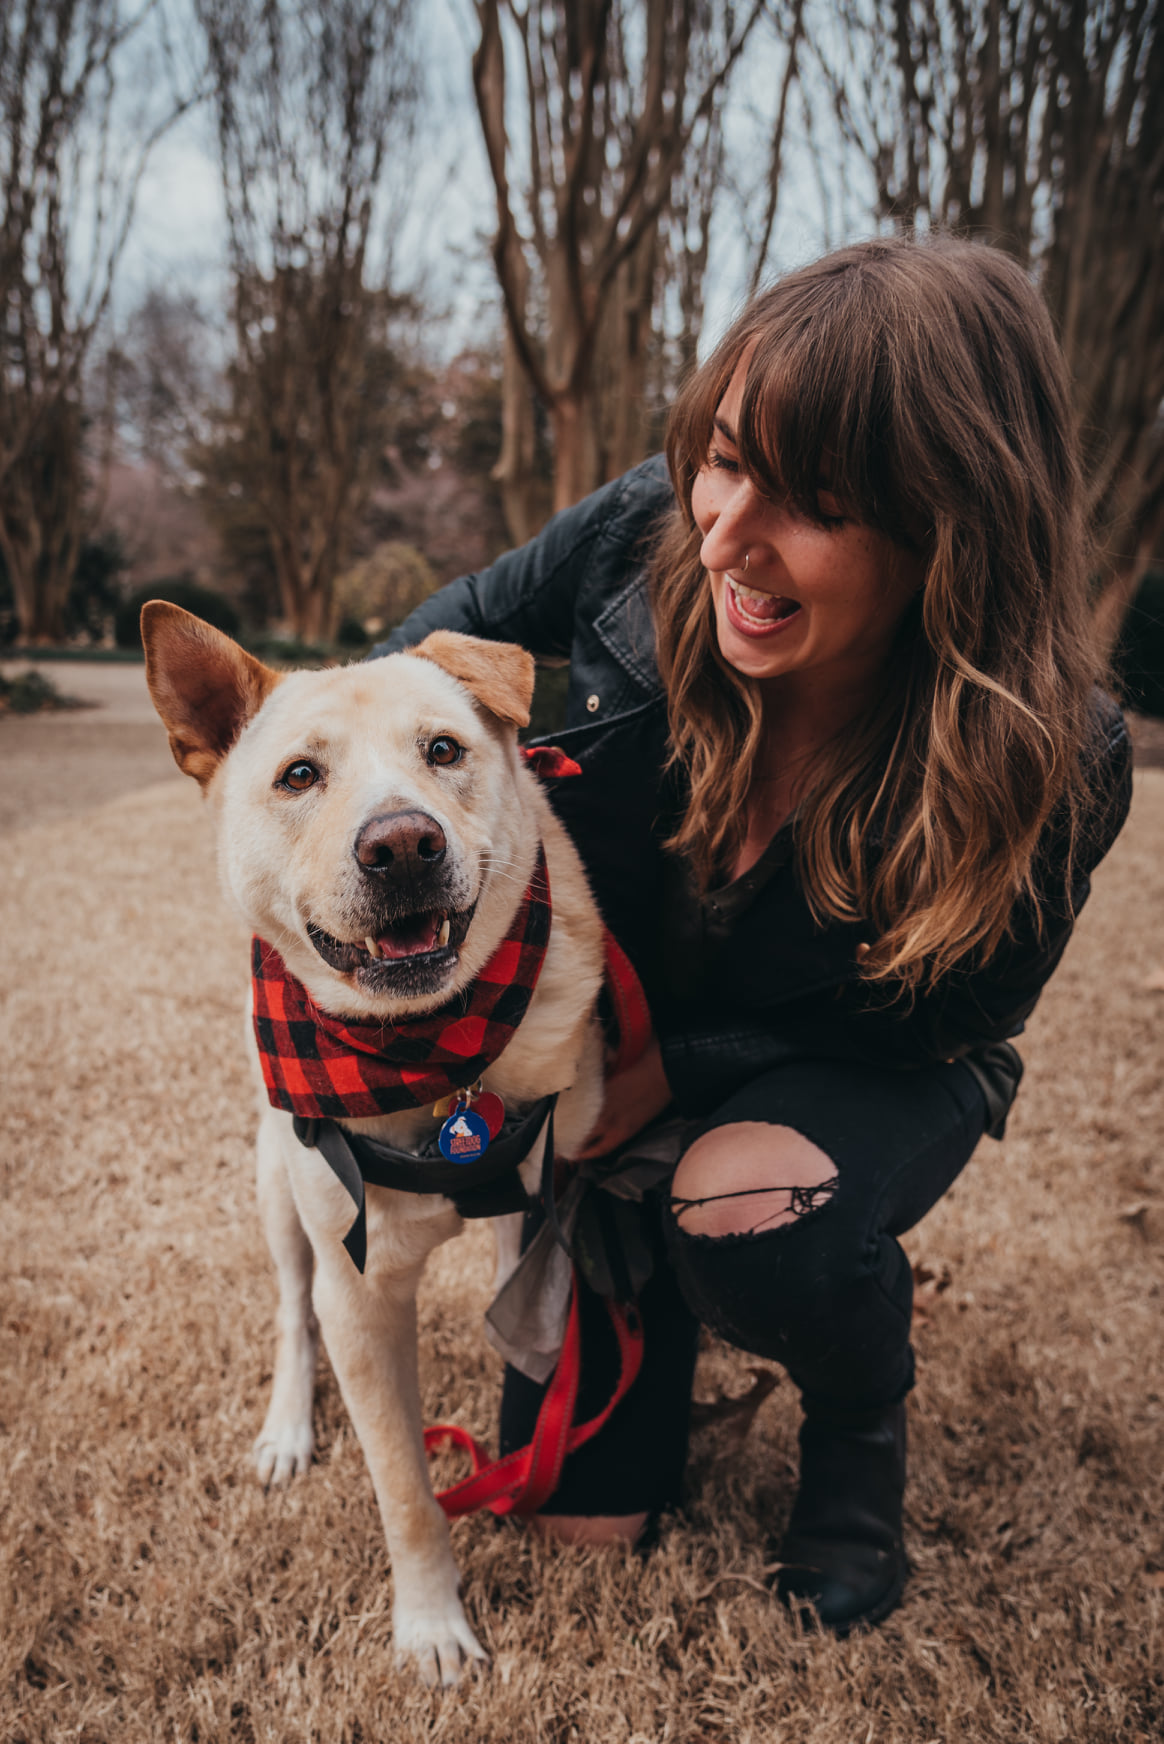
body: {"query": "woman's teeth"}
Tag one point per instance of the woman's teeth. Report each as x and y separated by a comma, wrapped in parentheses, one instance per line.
(763, 607)
(751, 593)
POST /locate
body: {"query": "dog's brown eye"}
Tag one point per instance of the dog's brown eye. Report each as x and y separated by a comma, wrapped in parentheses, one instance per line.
(444, 751)
(299, 777)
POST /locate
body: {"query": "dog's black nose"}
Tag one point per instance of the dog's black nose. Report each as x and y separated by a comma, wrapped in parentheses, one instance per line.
(401, 844)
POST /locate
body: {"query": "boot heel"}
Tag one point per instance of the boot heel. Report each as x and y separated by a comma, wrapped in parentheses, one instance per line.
(843, 1552)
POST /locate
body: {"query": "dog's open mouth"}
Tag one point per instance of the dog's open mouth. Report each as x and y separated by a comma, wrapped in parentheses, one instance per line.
(432, 933)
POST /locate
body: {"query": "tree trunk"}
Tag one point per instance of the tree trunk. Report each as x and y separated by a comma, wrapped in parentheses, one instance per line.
(603, 148)
(577, 464)
(315, 624)
(40, 512)
(513, 473)
(626, 346)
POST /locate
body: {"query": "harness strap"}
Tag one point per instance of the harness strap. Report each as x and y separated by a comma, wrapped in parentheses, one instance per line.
(525, 1479)
(485, 1188)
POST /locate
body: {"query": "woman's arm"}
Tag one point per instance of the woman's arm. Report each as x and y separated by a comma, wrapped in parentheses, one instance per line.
(632, 1099)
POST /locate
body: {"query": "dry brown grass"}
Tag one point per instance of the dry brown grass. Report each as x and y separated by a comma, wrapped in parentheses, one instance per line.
(152, 1592)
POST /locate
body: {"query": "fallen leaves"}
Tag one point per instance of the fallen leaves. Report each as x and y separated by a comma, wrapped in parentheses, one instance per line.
(737, 1415)
(929, 1282)
(1137, 1215)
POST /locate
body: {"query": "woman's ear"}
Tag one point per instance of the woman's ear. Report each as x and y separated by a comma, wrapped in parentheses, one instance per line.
(499, 674)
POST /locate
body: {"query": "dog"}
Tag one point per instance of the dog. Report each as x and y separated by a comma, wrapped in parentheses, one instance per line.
(377, 827)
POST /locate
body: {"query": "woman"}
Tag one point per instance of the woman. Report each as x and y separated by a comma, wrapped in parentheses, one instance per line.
(846, 774)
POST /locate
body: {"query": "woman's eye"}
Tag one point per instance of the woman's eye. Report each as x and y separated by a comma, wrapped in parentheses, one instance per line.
(299, 777)
(444, 751)
(722, 462)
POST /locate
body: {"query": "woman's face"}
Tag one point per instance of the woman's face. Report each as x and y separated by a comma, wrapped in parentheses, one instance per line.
(820, 600)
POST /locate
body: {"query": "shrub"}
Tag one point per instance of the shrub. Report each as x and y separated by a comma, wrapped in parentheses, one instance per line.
(352, 634)
(204, 602)
(382, 589)
(290, 651)
(94, 593)
(1139, 654)
(27, 693)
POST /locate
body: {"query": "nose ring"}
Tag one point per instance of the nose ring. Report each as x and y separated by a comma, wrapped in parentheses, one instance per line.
(747, 556)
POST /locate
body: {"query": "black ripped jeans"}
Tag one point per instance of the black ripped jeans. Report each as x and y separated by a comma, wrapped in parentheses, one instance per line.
(828, 1295)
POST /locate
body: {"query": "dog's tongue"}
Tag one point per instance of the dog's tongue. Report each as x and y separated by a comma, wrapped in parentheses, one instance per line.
(411, 937)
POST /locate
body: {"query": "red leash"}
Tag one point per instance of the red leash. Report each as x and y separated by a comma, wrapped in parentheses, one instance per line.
(523, 1480)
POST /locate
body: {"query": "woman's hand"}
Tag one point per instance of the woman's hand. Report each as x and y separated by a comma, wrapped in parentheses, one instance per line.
(632, 1098)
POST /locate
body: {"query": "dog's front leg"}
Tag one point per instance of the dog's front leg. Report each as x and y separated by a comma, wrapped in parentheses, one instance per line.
(284, 1443)
(369, 1327)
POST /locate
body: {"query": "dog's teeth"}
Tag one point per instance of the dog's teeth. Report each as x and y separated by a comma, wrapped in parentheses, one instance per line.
(443, 935)
(372, 948)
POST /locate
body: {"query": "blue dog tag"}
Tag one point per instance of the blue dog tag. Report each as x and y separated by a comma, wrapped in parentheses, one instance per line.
(464, 1136)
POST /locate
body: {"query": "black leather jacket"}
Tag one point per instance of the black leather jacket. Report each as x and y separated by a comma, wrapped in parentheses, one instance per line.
(746, 979)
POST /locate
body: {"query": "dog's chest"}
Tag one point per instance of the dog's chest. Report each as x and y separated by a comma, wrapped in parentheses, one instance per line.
(410, 1130)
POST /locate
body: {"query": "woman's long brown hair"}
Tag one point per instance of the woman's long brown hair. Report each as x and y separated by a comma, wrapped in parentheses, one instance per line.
(928, 377)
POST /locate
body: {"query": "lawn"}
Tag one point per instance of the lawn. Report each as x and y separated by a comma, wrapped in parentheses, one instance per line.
(151, 1591)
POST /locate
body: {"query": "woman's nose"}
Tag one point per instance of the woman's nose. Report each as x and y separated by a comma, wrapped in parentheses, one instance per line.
(734, 529)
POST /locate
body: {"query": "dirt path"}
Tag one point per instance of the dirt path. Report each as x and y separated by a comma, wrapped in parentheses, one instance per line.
(149, 1590)
(61, 765)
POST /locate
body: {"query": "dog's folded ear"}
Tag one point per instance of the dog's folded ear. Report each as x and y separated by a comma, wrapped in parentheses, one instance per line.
(205, 687)
(499, 674)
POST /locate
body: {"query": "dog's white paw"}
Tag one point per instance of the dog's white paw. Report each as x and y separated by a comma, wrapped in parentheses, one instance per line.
(282, 1450)
(437, 1639)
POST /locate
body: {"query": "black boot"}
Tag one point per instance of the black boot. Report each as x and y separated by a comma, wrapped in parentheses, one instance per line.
(843, 1551)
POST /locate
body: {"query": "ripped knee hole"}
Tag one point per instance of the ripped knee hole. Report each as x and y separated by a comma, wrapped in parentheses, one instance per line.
(798, 1201)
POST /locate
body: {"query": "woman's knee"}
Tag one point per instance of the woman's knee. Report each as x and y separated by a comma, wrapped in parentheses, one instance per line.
(749, 1177)
(813, 1293)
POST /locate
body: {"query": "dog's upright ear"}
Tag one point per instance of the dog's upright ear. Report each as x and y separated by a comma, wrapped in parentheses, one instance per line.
(499, 674)
(205, 687)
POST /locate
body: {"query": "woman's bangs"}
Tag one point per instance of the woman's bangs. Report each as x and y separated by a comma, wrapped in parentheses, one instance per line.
(784, 427)
(692, 425)
(807, 424)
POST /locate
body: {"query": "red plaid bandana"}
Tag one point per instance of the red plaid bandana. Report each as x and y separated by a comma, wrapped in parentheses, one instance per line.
(324, 1067)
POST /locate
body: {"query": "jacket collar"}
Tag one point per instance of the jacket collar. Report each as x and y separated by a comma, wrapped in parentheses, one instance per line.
(626, 631)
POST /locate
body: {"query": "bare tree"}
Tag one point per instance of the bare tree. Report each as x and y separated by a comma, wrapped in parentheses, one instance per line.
(314, 107)
(67, 192)
(794, 37)
(161, 373)
(1039, 126)
(615, 94)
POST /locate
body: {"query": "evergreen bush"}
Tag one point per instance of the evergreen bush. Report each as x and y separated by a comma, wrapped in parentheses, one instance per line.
(1139, 654)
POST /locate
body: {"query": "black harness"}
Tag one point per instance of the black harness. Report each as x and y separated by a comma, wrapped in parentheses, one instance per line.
(488, 1187)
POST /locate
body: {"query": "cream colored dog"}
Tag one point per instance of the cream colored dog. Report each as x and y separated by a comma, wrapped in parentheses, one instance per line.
(299, 769)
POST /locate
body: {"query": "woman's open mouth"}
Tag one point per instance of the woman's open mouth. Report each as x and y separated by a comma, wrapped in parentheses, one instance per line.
(755, 613)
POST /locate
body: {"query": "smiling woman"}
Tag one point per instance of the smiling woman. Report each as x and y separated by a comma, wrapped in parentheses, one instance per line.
(847, 770)
(822, 594)
(819, 611)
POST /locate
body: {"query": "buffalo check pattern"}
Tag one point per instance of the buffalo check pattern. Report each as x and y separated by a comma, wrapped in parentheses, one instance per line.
(330, 1068)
